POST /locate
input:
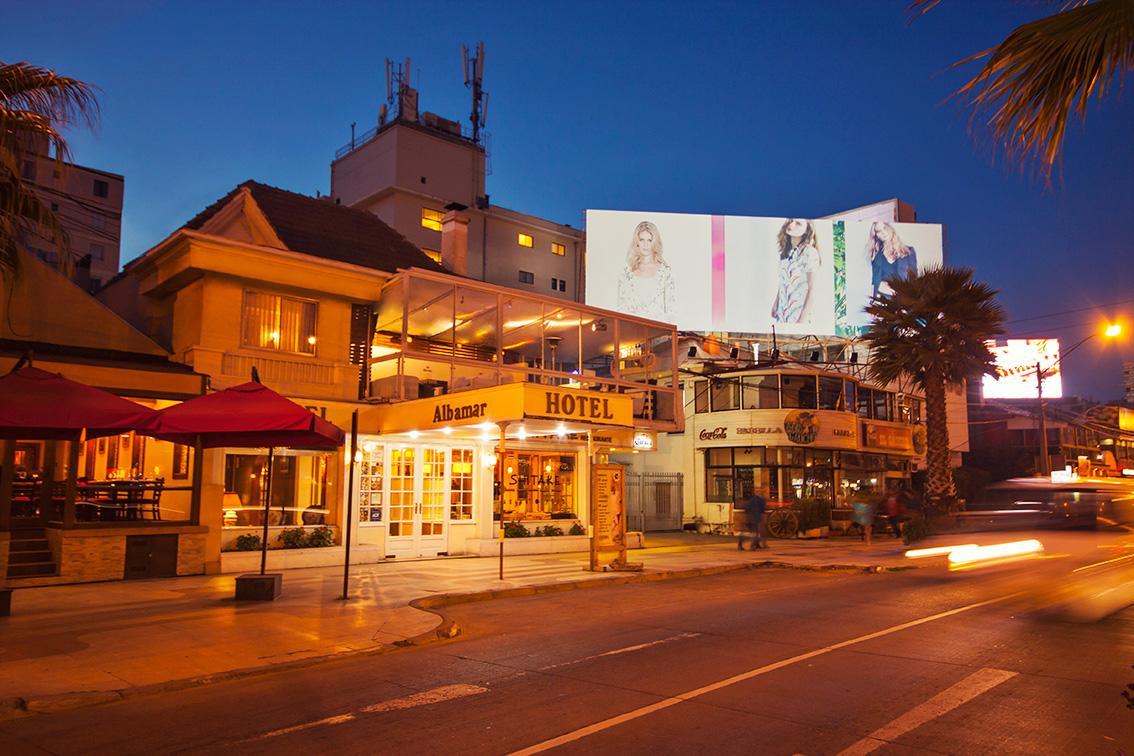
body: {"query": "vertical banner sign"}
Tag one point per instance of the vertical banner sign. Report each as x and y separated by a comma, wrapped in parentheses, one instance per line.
(608, 497)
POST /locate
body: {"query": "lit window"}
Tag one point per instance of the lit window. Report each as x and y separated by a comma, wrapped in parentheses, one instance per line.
(432, 254)
(524, 240)
(280, 323)
(461, 485)
(431, 219)
(558, 249)
(526, 277)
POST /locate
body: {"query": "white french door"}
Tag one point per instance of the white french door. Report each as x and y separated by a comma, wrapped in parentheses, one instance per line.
(419, 482)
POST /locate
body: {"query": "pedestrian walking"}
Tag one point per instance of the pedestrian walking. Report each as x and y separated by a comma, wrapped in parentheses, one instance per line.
(864, 517)
(892, 509)
(756, 514)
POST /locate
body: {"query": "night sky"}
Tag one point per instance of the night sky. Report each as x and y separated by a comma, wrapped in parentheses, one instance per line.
(777, 109)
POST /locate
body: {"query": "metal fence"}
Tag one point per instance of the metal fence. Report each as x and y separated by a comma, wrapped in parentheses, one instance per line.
(654, 501)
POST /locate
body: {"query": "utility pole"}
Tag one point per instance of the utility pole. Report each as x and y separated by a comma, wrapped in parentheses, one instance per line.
(1045, 463)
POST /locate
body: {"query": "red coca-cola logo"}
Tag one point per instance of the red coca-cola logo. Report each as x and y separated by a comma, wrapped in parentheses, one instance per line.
(716, 434)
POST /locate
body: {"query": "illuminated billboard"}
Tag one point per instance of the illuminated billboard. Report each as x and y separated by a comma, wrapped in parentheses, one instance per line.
(745, 274)
(1016, 363)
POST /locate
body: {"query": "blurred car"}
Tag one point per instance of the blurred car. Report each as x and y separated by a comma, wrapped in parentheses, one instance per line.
(1025, 503)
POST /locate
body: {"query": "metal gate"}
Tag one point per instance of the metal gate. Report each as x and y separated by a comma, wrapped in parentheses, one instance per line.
(654, 501)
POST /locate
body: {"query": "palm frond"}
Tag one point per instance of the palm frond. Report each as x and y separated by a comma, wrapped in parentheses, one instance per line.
(1043, 73)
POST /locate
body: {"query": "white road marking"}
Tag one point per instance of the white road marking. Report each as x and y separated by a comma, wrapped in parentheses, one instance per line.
(339, 719)
(629, 716)
(640, 646)
(436, 695)
(627, 649)
(944, 702)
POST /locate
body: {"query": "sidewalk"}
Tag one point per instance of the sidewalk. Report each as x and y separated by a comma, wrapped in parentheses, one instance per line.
(65, 645)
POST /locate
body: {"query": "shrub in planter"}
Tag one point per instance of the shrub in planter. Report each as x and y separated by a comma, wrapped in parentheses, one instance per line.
(515, 530)
(247, 542)
(321, 536)
(577, 529)
(293, 538)
(537, 532)
(551, 530)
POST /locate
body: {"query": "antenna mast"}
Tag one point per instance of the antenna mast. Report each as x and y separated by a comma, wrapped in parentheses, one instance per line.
(474, 79)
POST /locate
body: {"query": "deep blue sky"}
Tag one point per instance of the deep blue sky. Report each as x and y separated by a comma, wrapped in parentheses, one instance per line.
(777, 108)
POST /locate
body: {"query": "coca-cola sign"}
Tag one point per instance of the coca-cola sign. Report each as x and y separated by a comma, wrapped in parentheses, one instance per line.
(716, 434)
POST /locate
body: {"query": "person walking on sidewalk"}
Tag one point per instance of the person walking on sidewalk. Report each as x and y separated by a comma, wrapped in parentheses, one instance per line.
(756, 513)
(864, 517)
(892, 509)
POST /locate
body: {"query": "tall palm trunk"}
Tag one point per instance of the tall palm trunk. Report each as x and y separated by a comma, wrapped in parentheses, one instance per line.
(939, 486)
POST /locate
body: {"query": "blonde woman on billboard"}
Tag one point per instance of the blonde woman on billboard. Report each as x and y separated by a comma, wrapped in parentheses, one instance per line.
(798, 245)
(890, 258)
(646, 285)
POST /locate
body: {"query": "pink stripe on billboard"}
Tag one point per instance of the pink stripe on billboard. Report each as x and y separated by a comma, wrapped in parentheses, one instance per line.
(718, 271)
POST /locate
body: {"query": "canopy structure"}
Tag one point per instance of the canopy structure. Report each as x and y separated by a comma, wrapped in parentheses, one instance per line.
(248, 415)
(36, 404)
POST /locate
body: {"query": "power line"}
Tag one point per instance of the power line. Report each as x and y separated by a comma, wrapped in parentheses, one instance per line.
(1070, 312)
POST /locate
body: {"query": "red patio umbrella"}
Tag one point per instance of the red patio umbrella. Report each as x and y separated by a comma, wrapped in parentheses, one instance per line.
(248, 415)
(36, 404)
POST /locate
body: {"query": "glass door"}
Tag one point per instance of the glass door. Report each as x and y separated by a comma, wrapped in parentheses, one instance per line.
(418, 481)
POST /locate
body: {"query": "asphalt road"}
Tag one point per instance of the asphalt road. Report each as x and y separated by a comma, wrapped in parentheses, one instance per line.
(770, 661)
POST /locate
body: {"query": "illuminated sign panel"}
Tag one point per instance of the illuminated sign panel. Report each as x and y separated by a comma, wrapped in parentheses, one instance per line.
(745, 274)
(1016, 362)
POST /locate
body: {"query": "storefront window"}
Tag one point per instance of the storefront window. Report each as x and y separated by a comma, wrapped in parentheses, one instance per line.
(883, 405)
(830, 393)
(865, 401)
(539, 485)
(725, 394)
(461, 485)
(798, 391)
(850, 396)
(700, 396)
(301, 489)
(371, 482)
(761, 392)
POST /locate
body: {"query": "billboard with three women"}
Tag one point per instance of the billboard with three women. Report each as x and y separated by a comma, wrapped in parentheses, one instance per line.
(743, 274)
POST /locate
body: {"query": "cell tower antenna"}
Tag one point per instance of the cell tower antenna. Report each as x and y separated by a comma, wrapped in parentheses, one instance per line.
(474, 79)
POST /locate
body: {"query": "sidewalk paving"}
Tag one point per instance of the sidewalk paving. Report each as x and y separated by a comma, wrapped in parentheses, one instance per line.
(66, 645)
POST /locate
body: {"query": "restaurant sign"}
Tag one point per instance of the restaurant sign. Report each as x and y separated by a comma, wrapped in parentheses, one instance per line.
(823, 429)
(888, 437)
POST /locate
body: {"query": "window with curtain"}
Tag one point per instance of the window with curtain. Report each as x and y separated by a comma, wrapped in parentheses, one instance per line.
(285, 324)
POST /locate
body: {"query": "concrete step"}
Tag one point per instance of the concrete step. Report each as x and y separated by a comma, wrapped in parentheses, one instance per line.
(31, 557)
(21, 534)
(38, 569)
(31, 544)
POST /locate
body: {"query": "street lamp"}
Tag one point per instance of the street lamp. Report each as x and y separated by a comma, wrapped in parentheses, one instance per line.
(1112, 330)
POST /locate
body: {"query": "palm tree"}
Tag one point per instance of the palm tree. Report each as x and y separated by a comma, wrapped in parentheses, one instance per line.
(36, 105)
(1044, 72)
(933, 327)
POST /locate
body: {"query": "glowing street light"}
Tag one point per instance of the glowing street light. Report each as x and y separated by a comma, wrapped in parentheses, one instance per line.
(1111, 331)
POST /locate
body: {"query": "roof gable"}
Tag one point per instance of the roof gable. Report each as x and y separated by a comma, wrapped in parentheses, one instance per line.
(265, 215)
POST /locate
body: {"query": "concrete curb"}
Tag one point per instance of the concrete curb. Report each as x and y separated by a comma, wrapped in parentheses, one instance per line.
(19, 707)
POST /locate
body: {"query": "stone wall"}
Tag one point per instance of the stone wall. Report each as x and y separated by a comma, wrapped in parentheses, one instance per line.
(92, 555)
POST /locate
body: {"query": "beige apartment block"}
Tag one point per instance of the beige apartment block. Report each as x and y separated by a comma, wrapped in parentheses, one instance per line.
(88, 203)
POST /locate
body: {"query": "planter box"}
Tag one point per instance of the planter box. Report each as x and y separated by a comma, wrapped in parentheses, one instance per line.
(257, 587)
(531, 545)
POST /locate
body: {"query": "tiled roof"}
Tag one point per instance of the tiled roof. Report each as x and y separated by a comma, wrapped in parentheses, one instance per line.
(322, 229)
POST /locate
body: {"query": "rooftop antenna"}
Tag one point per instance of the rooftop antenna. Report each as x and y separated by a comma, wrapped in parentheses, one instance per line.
(474, 78)
(401, 98)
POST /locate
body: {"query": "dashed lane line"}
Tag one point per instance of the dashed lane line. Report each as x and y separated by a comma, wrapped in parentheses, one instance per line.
(944, 702)
(665, 703)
